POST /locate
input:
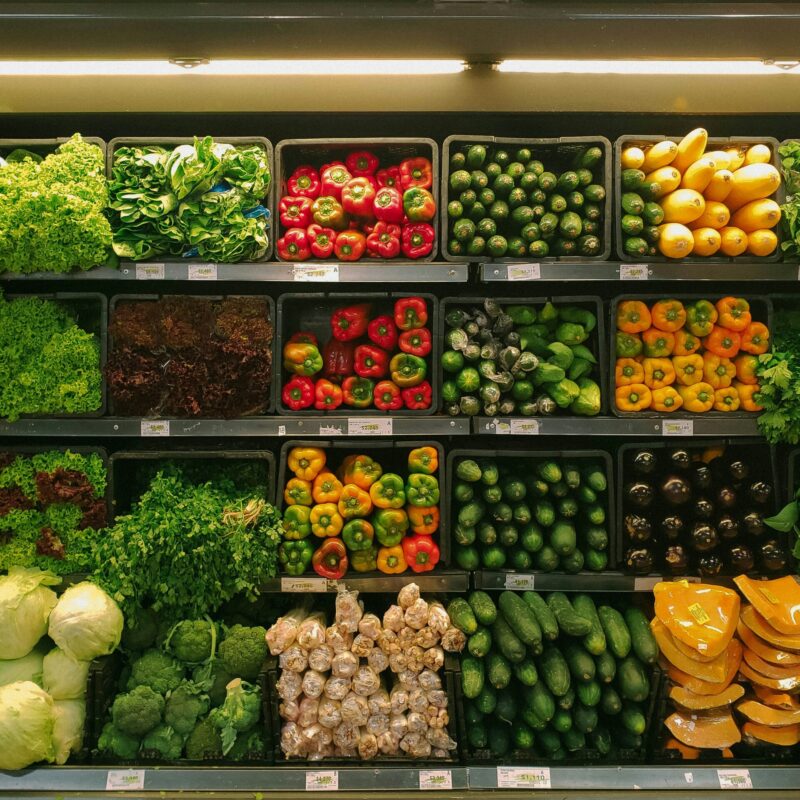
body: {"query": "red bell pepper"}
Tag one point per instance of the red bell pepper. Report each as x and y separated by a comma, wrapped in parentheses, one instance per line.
(333, 179)
(327, 395)
(419, 205)
(337, 360)
(298, 393)
(389, 177)
(358, 196)
(388, 205)
(350, 322)
(410, 313)
(293, 245)
(330, 559)
(329, 165)
(417, 240)
(303, 337)
(417, 341)
(384, 241)
(321, 240)
(350, 245)
(371, 361)
(383, 332)
(418, 397)
(421, 552)
(295, 212)
(357, 392)
(416, 172)
(361, 163)
(387, 396)
(304, 182)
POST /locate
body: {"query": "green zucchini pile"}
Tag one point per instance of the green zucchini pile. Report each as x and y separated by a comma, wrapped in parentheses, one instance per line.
(553, 677)
(530, 513)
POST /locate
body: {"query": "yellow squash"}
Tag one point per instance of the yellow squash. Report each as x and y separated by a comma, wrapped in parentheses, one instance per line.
(659, 155)
(683, 206)
(764, 715)
(632, 158)
(715, 216)
(752, 182)
(762, 243)
(699, 174)
(758, 154)
(778, 601)
(760, 627)
(668, 178)
(769, 670)
(782, 658)
(776, 699)
(711, 671)
(690, 148)
(675, 240)
(706, 241)
(720, 185)
(754, 216)
(737, 157)
(721, 158)
(734, 241)
(703, 702)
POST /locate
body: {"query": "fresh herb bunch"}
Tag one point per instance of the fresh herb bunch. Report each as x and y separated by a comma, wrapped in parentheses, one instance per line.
(186, 548)
(52, 210)
(790, 210)
(48, 365)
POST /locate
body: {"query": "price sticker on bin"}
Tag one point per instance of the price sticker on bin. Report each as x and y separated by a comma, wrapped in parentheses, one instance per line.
(322, 781)
(523, 778)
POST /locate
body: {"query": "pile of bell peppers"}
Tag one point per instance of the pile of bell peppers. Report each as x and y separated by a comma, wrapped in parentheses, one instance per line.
(355, 209)
(699, 357)
(359, 517)
(371, 361)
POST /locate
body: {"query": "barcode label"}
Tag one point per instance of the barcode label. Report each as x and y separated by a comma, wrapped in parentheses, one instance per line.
(734, 779)
(122, 779)
(523, 778)
(149, 272)
(634, 272)
(281, 430)
(327, 781)
(514, 581)
(525, 427)
(677, 427)
(435, 779)
(312, 273)
(524, 272)
(304, 585)
(370, 426)
(202, 272)
(155, 427)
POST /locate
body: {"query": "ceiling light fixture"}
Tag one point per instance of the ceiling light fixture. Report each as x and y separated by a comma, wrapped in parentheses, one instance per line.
(646, 67)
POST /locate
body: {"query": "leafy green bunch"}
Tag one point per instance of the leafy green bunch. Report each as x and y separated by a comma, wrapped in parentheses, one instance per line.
(790, 210)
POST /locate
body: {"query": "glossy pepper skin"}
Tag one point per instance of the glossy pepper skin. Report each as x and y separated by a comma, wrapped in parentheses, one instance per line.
(362, 471)
(354, 502)
(388, 205)
(358, 534)
(301, 358)
(306, 462)
(361, 163)
(358, 195)
(717, 371)
(422, 490)
(327, 211)
(633, 316)
(416, 172)
(350, 322)
(391, 560)
(333, 179)
(755, 339)
(337, 359)
(364, 560)
(383, 332)
(417, 398)
(746, 368)
(390, 526)
(723, 342)
(384, 240)
(350, 245)
(628, 371)
(357, 392)
(420, 552)
(685, 343)
(424, 460)
(327, 488)
(304, 182)
(748, 396)
(419, 205)
(657, 344)
(327, 395)
(635, 397)
(298, 393)
(627, 345)
(697, 398)
(389, 177)
(326, 520)
(726, 399)
(321, 240)
(297, 492)
(370, 361)
(666, 399)
(734, 313)
(296, 522)
(417, 341)
(294, 245)
(423, 519)
(295, 556)
(417, 240)
(700, 318)
(387, 396)
(668, 315)
(658, 373)
(330, 559)
(407, 370)
(688, 369)
(410, 313)
(295, 212)
(388, 491)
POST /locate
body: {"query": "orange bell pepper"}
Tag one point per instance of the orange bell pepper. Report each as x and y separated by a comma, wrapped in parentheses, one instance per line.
(424, 460)
(628, 371)
(327, 488)
(423, 519)
(658, 372)
(658, 344)
(748, 395)
(297, 492)
(633, 316)
(666, 399)
(668, 315)
(698, 398)
(635, 397)
(723, 342)
(734, 313)
(755, 338)
(746, 366)
(719, 372)
(685, 343)
(726, 399)
(326, 520)
(306, 462)
(362, 471)
(354, 502)
(688, 369)
(391, 560)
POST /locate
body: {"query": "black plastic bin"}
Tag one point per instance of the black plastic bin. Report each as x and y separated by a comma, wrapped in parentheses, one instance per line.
(44, 147)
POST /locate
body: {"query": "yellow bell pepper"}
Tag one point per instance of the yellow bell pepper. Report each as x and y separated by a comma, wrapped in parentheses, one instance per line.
(688, 369)
(726, 399)
(326, 488)
(326, 520)
(628, 371)
(697, 398)
(635, 397)
(718, 371)
(297, 492)
(354, 502)
(747, 392)
(306, 462)
(391, 560)
(666, 399)
(658, 372)
(362, 471)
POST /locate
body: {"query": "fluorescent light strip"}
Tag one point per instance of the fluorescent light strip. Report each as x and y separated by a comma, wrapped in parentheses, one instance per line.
(639, 67)
(233, 68)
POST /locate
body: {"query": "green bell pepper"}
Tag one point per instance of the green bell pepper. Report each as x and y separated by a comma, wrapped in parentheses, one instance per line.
(422, 490)
(388, 491)
(296, 522)
(364, 560)
(628, 345)
(295, 557)
(358, 535)
(391, 524)
(407, 370)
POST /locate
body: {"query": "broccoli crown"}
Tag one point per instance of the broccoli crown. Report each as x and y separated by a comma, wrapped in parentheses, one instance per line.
(192, 641)
(143, 633)
(184, 706)
(204, 742)
(248, 747)
(155, 669)
(213, 681)
(113, 740)
(138, 711)
(240, 712)
(163, 742)
(243, 651)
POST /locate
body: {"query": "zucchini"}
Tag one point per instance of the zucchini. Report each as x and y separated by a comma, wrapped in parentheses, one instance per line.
(617, 634)
(589, 693)
(486, 701)
(521, 619)
(596, 514)
(642, 639)
(596, 560)
(569, 621)
(483, 607)
(559, 490)
(544, 616)
(461, 616)
(573, 740)
(525, 672)
(606, 667)
(554, 670)
(633, 719)
(632, 679)
(540, 701)
(506, 640)
(584, 718)
(595, 640)
(581, 664)
(610, 701)
(480, 642)
(498, 671)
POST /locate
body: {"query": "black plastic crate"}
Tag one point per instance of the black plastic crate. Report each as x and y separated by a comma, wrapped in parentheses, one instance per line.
(714, 143)
(610, 524)
(596, 342)
(44, 147)
(393, 456)
(312, 312)
(761, 309)
(269, 408)
(556, 155)
(293, 153)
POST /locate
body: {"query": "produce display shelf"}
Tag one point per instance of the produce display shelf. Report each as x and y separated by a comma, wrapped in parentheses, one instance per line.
(436, 581)
(496, 580)
(610, 426)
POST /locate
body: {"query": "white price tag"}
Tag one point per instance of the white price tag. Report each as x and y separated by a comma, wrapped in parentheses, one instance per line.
(677, 427)
(313, 273)
(502, 427)
(281, 430)
(435, 779)
(122, 779)
(155, 427)
(688, 777)
(202, 272)
(524, 272)
(323, 781)
(304, 585)
(334, 429)
(369, 426)
(734, 779)
(525, 427)
(634, 272)
(645, 584)
(523, 778)
(514, 581)
(149, 272)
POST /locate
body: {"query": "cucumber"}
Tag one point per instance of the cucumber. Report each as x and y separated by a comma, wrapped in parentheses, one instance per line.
(596, 479)
(618, 636)
(463, 492)
(573, 563)
(596, 537)
(610, 701)
(483, 607)
(559, 489)
(464, 536)
(478, 736)
(471, 714)
(523, 736)
(625, 740)
(533, 720)
(584, 718)
(596, 560)
(569, 621)
(589, 693)
(461, 616)
(471, 514)
(480, 642)
(642, 639)
(606, 667)
(581, 664)
(554, 670)
(547, 559)
(633, 719)
(472, 677)
(548, 740)
(498, 671)
(486, 701)
(563, 538)
(540, 701)
(600, 739)
(549, 471)
(544, 513)
(568, 507)
(531, 539)
(521, 619)
(595, 640)
(573, 740)
(507, 706)
(585, 494)
(631, 680)
(568, 700)
(526, 673)
(468, 470)
(544, 616)
(499, 738)
(506, 640)
(562, 721)
(492, 494)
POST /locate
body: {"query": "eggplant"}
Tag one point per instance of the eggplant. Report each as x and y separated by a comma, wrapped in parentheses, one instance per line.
(728, 527)
(638, 528)
(740, 558)
(760, 492)
(672, 527)
(703, 537)
(753, 523)
(738, 469)
(492, 308)
(703, 508)
(509, 356)
(773, 556)
(456, 317)
(639, 560)
(701, 476)
(679, 458)
(645, 462)
(677, 559)
(675, 490)
(710, 564)
(726, 498)
(640, 494)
